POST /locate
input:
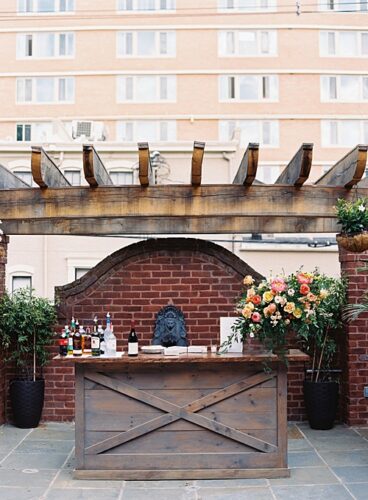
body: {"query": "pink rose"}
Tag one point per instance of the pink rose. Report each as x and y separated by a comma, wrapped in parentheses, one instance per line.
(278, 285)
(256, 317)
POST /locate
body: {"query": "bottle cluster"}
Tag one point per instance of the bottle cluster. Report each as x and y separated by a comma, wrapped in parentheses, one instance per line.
(97, 341)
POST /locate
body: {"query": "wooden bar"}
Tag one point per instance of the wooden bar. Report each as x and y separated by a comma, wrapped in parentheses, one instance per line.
(187, 417)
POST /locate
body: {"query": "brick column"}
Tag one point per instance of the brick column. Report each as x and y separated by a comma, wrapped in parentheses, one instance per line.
(354, 343)
(3, 258)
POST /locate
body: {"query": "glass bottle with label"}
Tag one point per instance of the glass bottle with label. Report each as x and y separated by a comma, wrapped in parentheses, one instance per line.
(102, 340)
(111, 343)
(77, 343)
(95, 339)
(87, 345)
(132, 341)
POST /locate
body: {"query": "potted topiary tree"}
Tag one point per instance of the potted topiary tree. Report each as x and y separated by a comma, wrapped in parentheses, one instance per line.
(26, 330)
(353, 217)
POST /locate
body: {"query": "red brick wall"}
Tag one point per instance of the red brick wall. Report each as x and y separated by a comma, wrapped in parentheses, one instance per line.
(355, 343)
(3, 258)
(201, 278)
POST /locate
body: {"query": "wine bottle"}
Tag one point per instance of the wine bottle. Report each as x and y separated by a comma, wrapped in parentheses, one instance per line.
(132, 341)
(95, 339)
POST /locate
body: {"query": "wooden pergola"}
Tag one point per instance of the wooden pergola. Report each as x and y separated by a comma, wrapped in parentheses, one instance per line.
(245, 206)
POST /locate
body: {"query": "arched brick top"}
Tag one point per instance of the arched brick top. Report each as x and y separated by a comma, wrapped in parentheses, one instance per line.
(145, 248)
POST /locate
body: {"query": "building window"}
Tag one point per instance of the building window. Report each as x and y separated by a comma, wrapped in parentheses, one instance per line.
(265, 132)
(45, 6)
(248, 88)
(121, 177)
(146, 43)
(45, 45)
(246, 5)
(19, 282)
(343, 5)
(24, 132)
(25, 175)
(80, 271)
(344, 43)
(73, 176)
(40, 132)
(344, 88)
(45, 90)
(146, 130)
(247, 43)
(344, 133)
(146, 5)
(146, 88)
(268, 174)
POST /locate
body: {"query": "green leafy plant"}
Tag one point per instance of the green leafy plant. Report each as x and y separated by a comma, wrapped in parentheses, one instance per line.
(352, 215)
(318, 328)
(26, 330)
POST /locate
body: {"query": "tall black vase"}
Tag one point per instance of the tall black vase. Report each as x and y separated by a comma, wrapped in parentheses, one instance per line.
(26, 397)
(321, 400)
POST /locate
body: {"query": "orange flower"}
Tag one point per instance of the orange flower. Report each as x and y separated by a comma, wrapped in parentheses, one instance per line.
(304, 289)
(256, 299)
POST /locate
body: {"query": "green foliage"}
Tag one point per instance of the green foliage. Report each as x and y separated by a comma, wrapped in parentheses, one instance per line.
(317, 335)
(352, 215)
(26, 330)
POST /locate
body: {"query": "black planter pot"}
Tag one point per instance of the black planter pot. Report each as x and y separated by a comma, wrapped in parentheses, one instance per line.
(26, 397)
(321, 400)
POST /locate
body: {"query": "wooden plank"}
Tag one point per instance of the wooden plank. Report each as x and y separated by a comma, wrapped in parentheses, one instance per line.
(197, 160)
(168, 474)
(185, 412)
(176, 209)
(253, 400)
(282, 414)
(145, 167)
(95, 171)
(95, 435)
(80, 427)
(247, 171)
(348, 171)
(298, 169)
(44, 171)
(244, 420)
(8, 180)
(181, 461)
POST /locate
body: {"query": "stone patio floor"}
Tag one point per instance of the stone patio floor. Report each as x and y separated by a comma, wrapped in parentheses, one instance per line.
(38, 464)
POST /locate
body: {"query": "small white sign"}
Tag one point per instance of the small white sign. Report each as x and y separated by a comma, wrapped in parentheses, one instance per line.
(225, 332)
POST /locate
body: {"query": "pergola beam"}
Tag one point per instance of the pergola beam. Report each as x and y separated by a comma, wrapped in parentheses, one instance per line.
(177, 209)
(95, 172)
(298, 169)
(247, 170)
(145, 167)
(44, 171)
(348, 171)
(197, 160)
(10, 181)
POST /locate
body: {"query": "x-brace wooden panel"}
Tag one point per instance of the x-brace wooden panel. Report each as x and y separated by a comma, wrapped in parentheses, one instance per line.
(176, 412)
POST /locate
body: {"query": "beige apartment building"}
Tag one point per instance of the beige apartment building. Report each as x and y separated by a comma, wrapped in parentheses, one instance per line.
(169, 72)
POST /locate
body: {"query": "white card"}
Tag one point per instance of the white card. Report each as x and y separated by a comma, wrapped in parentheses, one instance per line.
(225, 332)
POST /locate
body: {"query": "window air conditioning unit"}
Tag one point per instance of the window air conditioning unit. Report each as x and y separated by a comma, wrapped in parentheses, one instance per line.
(88, 130)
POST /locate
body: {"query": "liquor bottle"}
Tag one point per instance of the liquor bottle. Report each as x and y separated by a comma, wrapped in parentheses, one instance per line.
(83, 336)
(95, 339)
(77, 342)
(72, 325)
(102, 340)
(70, 342)
(111, 343)
(132, 341)
(87, 349)
(63, 342)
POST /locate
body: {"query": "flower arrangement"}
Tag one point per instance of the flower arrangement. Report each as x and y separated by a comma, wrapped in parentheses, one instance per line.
(307, 304)
(352, 215)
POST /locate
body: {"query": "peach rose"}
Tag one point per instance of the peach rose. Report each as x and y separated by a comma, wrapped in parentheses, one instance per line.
(256, 317)
(304, 289)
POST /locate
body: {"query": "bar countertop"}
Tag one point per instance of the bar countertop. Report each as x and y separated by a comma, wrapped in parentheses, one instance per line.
(294, 355)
